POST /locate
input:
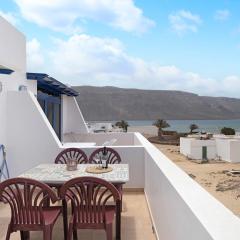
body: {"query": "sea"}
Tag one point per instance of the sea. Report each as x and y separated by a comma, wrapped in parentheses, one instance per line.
(211, 126)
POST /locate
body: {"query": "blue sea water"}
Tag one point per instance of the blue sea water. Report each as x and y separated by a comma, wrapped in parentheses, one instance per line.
(213, 126)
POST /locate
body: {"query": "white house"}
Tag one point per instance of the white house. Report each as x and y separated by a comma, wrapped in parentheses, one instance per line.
(195, 148)
(221, 147)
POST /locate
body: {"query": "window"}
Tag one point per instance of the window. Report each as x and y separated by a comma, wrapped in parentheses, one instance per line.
(51, 106)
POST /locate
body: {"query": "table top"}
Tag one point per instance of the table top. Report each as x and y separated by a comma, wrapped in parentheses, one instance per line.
(57, 173)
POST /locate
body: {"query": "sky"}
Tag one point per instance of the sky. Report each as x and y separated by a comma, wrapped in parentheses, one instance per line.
(187, 45)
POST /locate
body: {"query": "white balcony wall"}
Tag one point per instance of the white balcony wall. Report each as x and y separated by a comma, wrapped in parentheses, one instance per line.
(122, 139)
(30, 137)
(73, 121)
(180, 208)
(132, 155)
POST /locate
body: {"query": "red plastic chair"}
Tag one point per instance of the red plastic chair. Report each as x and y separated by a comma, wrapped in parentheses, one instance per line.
(26, 198)
(71, 153)
(112, 156)
(90, 199)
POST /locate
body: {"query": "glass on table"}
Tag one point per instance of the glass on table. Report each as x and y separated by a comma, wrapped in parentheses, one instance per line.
(72, 164)
(98, 161)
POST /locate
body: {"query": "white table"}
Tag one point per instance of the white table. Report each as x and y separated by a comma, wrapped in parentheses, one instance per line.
(57, 173)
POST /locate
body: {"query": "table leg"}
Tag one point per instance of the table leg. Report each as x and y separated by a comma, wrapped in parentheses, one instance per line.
(118, 221)
(65, 218)
(25, 235)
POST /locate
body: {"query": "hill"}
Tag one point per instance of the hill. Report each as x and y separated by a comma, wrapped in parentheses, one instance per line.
(111, 103)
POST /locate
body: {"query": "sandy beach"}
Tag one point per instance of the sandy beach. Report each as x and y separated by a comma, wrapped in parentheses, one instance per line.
(145, 130)
(212, 176)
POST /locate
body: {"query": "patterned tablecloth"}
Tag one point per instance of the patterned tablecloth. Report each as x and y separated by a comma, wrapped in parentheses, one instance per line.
(57, 173)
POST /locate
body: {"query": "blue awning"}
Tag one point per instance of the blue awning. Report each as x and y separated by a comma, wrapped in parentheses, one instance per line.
(4, 70)
(50, 84)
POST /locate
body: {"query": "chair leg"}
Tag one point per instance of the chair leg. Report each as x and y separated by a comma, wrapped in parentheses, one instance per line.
(70, 231)
(8, 232)
(22, 235)
(109, 231)
(47, 233)
(75, 236)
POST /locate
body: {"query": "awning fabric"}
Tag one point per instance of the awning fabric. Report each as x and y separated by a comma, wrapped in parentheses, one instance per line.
(4, 70)
(51, 84)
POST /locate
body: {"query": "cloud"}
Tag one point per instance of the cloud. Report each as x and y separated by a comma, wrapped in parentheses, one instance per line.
(10, 17)
(184, 21)
(63, 15)
(88, 60)
(35, 58)
(222, 15)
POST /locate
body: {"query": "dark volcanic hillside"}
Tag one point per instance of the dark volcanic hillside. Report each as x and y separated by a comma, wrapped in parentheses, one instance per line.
(110, 103)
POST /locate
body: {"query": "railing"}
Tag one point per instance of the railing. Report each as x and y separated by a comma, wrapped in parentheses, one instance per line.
(180, 208)
(122, 139)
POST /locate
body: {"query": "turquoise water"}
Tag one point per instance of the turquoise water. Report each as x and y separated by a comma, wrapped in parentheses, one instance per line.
(213, 126)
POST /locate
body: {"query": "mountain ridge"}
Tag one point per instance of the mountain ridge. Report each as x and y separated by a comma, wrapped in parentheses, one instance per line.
(112, 103)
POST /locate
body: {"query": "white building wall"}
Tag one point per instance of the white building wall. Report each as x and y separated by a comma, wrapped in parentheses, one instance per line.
(13, 47)
(223, 149)
(73, 120)
(192, 148)
(185, 146)
(235, 151)
(30, 137)
(12, 56)
(228, 149)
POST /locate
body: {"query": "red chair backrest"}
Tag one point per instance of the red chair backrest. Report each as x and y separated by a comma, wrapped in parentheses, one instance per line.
(112, 156)
(71, 153)
(26, 198)
(89, 197)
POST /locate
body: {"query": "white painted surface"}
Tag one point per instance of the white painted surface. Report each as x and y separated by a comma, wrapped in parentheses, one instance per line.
(134, 157)
(123, 139)
(100, 126)
(31, 139)
(12, 56)
(13, 47)
(228, 149)
(73, 120)
(234, 151)
(192, 148)
(181, 209)
(185, 146)
(78, 144)
(223, 149)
